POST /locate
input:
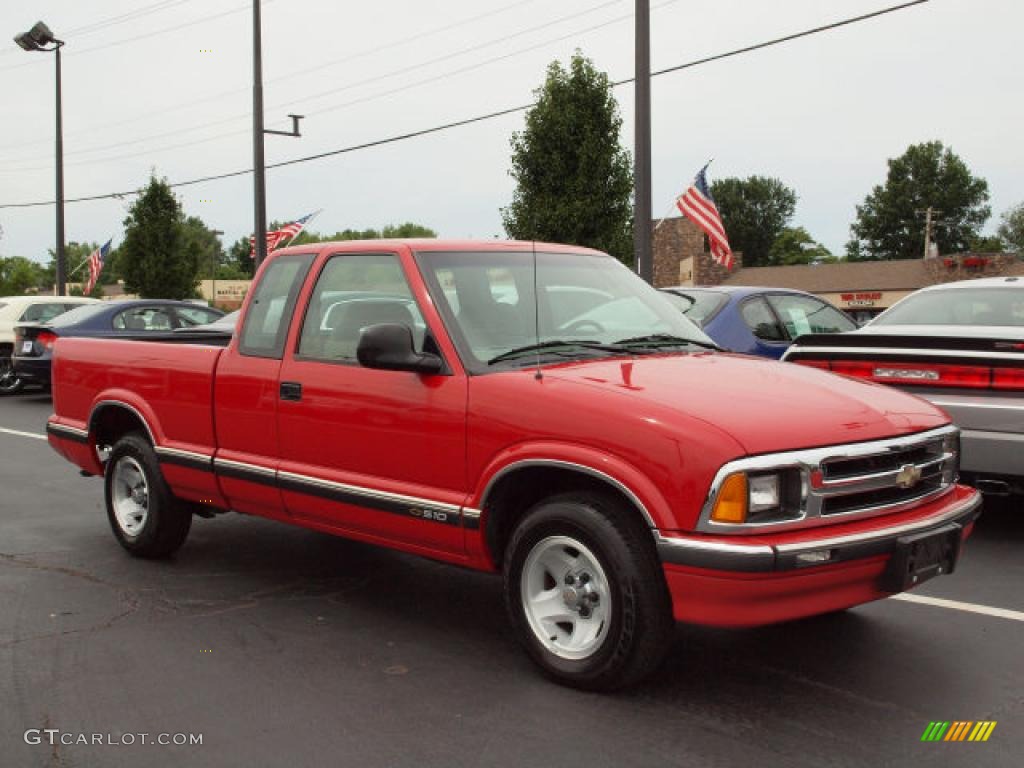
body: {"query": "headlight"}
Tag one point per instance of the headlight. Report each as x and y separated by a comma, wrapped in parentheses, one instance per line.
(759, 497)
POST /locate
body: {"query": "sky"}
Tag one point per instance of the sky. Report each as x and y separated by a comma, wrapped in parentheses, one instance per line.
(165, 86)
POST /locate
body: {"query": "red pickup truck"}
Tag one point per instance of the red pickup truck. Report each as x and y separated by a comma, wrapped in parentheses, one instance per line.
(530, 409)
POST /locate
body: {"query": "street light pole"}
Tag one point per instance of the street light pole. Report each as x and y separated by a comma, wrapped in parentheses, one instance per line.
(61, 258)
(642, 144)
(36, 39)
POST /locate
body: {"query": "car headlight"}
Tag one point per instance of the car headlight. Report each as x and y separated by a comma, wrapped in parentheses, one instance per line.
(761, 497)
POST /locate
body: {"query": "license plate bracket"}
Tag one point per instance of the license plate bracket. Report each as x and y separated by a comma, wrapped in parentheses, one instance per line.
(921, 556)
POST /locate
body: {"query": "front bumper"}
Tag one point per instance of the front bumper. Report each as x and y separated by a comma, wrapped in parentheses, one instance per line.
(753, 580)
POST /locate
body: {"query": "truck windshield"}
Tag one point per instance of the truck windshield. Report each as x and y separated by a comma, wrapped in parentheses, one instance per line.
(586, 305)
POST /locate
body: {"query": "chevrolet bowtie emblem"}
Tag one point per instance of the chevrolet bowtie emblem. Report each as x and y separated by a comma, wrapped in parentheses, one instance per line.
(908, 476)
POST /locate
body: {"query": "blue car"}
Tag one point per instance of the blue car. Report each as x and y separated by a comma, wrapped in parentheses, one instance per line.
(132, 319)
(758, 321)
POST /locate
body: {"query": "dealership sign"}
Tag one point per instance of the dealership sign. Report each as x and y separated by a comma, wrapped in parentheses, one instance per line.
(861, 299)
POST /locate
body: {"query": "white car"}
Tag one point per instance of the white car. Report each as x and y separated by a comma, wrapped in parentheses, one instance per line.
(26, 309)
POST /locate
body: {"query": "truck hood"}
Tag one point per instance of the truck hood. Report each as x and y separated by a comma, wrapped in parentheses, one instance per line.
(766, 406)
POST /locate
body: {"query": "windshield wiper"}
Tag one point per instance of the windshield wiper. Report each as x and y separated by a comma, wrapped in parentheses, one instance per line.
(664, 340)
(549, 345)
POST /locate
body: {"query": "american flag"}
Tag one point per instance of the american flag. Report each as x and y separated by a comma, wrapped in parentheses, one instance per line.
(698, 206)
(278, 237)
(96, 259)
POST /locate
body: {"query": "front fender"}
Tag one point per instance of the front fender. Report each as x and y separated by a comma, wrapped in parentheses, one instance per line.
(607, 467)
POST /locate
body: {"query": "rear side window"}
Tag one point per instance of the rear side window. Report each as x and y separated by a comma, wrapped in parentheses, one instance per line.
(761, 321)
(270, 311)
(143, 319)
(190, 316)
(41, 313)
(804, 314)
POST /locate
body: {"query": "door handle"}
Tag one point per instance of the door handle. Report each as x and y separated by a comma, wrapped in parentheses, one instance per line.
(291, 390)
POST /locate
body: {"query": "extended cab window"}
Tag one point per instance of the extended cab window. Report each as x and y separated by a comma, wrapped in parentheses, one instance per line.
(354, 292)
(270, 311)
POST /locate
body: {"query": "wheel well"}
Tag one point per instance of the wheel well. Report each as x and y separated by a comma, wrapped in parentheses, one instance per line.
(515, 493)
(112, 422)
(6, 349)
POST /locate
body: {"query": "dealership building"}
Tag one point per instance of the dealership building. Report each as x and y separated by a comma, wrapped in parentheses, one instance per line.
(861, 288)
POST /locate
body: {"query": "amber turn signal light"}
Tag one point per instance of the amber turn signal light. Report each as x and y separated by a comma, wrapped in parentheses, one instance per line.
(731, 504)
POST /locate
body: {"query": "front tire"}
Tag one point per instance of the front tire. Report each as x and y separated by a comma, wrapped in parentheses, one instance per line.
(144, 515)
(9, 381)
(586, 592)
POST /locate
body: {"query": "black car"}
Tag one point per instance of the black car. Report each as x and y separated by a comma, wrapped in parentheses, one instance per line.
(133, 319)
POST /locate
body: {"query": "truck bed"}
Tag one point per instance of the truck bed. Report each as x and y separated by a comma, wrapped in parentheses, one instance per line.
(170, 384)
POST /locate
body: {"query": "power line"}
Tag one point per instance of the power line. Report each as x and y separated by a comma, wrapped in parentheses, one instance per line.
(387, 75)
(491, 115)
(344, 105)
(297, 73)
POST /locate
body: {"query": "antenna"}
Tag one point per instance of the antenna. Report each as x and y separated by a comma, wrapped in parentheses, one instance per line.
(536, 310)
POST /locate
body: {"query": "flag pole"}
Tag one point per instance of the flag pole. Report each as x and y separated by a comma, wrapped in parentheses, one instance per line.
(311, 217)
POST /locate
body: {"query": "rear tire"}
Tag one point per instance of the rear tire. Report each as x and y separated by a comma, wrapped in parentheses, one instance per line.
(586, 592)
(144, 515)
(9, 381)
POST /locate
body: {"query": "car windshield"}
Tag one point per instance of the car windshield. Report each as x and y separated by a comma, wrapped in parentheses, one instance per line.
(958, 306)
(588, 305)
(78, 314)
(698, 306)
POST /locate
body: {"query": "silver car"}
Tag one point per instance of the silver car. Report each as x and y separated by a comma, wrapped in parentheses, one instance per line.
(959, 345)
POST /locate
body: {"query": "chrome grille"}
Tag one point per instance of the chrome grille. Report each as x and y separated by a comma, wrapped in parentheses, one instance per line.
(857, 480)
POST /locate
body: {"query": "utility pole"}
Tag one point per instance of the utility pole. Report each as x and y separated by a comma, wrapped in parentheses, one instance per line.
(928, 230)
(642, 145)
(259, 170)
(258, 162)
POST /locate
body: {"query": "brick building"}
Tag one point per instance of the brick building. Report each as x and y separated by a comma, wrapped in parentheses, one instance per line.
(862, 288)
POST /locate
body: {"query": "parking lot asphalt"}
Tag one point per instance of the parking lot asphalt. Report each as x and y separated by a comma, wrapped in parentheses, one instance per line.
(282, 646)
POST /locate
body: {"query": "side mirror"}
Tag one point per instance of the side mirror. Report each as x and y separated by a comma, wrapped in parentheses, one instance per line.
(389, 347)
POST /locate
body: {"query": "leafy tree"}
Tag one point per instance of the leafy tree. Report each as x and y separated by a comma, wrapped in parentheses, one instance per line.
(754, 211)
(406, 230)
(987, 244)
(159, 260)
(891, 222)
(18, 275)
(1011, 230)
(574, 180)
(201, 242)
(794, 245)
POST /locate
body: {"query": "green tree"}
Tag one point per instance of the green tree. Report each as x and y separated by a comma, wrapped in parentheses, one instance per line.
(754, 212)
(1011, 230)
(891, 222)
(794, 245)
(574, 180)
(987, 244)
(18, 275)
(201, 242)
(158, 259)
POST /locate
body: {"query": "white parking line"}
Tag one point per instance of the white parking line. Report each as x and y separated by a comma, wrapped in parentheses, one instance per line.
(22, 434)
(956, 605)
